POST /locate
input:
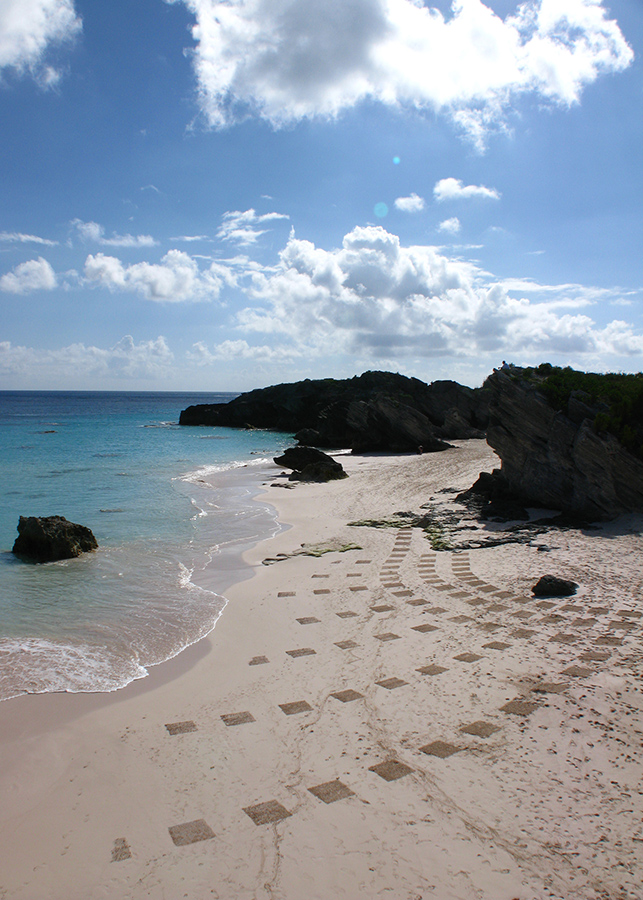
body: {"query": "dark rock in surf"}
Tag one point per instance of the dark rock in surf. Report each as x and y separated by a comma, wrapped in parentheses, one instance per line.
(51, 538)
(310, 464)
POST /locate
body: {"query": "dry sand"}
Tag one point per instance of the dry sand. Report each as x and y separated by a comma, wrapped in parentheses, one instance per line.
(444, 735)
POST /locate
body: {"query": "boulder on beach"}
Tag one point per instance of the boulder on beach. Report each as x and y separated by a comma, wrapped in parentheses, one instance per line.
(310, 464)
(50, 538)
(552, 586)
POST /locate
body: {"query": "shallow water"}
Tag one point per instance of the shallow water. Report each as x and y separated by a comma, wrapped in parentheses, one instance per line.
(164, 503)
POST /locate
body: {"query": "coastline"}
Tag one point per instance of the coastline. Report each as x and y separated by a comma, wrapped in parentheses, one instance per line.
(93, 782)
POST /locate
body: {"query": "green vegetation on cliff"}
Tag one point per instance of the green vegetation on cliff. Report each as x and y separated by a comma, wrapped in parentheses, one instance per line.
(618, 398)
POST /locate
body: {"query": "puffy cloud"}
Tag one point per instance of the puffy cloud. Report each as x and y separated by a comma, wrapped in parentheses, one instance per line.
(243, 227)
(126, 359)
(28, 28)
(33, 275)
(450, 226)
(16, 237)
(454, 189)
(375, 298)
(176, 279)
(410, 204)
(286, 60)
(92, 231)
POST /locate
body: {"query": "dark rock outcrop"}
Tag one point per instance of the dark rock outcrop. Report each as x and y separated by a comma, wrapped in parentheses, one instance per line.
(555, 458)
(51, 538)
(374, 411)
(310, 464)
(552, 586)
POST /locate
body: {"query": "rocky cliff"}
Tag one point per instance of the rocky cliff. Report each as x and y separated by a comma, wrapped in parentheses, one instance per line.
(556, 457)
(374, 411)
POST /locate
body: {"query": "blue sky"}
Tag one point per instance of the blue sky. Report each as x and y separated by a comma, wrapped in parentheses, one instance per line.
(218, 196)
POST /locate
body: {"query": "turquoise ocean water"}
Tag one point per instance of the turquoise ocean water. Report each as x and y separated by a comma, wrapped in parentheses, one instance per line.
(165, 503)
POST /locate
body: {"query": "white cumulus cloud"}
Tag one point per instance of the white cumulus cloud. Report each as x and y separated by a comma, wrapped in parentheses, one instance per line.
(28, 28)
(176, 279)
(450, 226)
(30, 276)
(92, 231)
(410, 204)
(454, 189)
(245, 227)
(373, 297)
(286, 60)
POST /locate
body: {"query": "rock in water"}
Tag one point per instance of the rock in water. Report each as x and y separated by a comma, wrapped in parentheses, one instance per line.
(50, 538)
(310, 464)
(552, 586)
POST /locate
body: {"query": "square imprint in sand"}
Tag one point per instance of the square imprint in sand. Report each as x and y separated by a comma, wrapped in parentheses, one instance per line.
(436, 610)
(549, 687)
(121, 850)
(480, 729)
(346, 645)
(403, 593)
(191, 832)
(477, 601)
(461, 619)
(563, 639)
(522, 633)
(468, 657)
(441, 749)
(240, 718)
(387, 636)
(346, 614)
(181, 727)
(578, 672)
(383, 607)
(490, 626)
(391, 769)
(258, 661)
(265, 813)
(323, 591)
(432, 670)
(331, 791)
(417, 602)
(298, 706)
(308, 620)
(519, 707)
(424, 629)
(347, 696)
(595, 656)
(496, 645)
(391, 683)
(286, 594)
(609, 641)
(302, 651)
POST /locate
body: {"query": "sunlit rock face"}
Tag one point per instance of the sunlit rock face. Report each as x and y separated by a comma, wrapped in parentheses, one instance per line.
(556, 459)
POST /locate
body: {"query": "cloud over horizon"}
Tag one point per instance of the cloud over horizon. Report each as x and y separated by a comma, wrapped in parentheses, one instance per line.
(288, 60)
(375, 298)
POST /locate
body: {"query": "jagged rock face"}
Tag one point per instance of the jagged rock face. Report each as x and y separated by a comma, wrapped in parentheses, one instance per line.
(555, 459)
(50, 538)
(375, 411)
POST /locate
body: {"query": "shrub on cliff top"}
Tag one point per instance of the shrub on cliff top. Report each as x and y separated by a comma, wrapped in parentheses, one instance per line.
(621, 397)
